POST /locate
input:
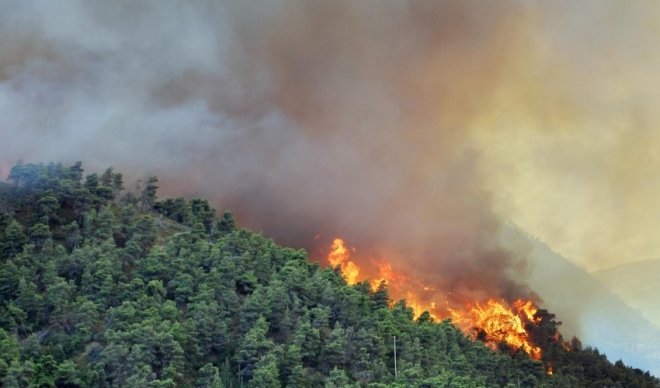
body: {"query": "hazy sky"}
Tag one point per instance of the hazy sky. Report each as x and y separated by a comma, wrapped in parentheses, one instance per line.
(573, 134)
(411, 127)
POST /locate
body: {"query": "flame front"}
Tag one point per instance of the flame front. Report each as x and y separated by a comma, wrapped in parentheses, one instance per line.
(492, 321)
(339, 256)
(495, 323)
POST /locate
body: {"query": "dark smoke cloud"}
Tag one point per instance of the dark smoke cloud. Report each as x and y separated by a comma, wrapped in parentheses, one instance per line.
(307, 117)
(398, 125)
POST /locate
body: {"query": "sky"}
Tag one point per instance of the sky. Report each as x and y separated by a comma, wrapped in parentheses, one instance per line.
(414, 129)
(573, 134)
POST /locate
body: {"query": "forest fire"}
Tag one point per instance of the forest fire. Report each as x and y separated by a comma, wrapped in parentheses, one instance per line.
(492, 321)
(340, 256)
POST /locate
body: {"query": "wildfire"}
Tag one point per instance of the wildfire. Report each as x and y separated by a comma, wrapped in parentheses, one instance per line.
(492, 321)
(339, 256)
(495, 323)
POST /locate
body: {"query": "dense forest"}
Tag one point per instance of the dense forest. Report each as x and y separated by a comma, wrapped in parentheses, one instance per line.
(100, 286)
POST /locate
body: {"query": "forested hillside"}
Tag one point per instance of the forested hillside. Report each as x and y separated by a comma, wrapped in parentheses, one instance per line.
(103, 287)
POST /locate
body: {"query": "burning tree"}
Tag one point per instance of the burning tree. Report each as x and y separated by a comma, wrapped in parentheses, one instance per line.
(515, 326)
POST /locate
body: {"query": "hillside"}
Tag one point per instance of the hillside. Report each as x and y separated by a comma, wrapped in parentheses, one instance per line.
(587, 308)
(99, 287)
(636, 283)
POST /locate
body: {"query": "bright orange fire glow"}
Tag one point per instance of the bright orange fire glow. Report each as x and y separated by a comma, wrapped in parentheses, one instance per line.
(495, 323)
(491, 321)
(340, 256)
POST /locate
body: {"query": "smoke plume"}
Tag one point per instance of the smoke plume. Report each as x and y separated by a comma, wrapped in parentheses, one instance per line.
(410, 128)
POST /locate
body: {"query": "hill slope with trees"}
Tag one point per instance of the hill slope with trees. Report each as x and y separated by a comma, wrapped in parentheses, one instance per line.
(99, 287)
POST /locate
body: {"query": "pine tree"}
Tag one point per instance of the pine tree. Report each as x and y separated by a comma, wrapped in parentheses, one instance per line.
(148, 194)
(266, 374)
(14, 239)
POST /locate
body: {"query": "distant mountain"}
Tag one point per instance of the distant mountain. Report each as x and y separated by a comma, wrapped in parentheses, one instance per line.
(588, 308)
(636, 283)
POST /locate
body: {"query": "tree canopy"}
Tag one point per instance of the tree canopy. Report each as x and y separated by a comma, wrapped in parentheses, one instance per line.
(99, 287)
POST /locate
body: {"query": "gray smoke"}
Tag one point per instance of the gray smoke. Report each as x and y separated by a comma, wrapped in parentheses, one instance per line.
(389, 123)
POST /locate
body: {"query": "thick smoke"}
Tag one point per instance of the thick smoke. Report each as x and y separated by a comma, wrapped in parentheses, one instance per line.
(331, 118)
(399, 125)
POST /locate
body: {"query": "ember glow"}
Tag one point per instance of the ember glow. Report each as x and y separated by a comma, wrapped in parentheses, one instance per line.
(492, 321)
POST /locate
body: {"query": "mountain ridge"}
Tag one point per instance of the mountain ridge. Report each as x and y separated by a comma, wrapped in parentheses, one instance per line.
(638, 283)
(588, 309)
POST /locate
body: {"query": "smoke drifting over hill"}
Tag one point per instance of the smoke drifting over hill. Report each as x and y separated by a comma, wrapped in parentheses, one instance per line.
(399, 125)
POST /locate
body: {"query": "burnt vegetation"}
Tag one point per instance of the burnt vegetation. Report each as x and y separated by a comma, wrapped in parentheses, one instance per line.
(104, 287)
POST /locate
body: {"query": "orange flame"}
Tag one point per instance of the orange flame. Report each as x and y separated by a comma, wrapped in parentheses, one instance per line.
(340, 256)
(490, 321)
(495, 323)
